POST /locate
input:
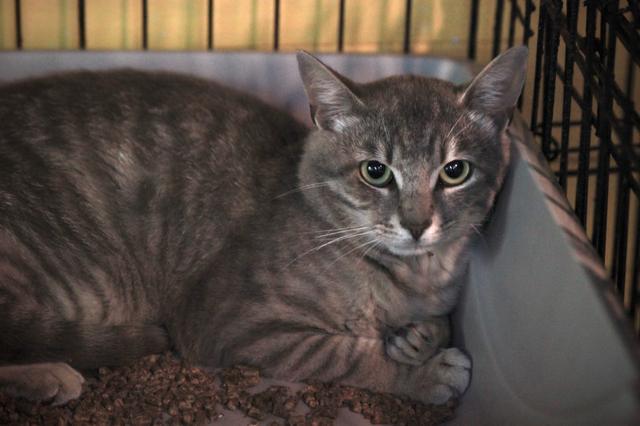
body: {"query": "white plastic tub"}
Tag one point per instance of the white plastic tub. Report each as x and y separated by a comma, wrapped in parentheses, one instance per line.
(549, 346)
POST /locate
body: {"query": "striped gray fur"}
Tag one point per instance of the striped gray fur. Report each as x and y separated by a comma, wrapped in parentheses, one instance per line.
(146, 211)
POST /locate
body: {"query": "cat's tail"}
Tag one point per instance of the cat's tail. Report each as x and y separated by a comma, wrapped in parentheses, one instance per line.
(83, 346)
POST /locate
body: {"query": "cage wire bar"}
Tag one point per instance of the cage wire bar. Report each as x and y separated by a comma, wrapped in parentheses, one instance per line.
(18, 24)
(82, 33)
(276, 25)
(589, 52)
(210, 6)
(145, 25)
(407, 28)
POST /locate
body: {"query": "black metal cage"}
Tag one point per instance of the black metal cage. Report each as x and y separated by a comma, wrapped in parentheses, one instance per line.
(584, 115)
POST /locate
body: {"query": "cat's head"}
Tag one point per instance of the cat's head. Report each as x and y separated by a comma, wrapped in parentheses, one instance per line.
(409, 162)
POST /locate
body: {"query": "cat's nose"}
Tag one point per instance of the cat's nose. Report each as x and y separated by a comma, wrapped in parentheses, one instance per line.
(417, 229)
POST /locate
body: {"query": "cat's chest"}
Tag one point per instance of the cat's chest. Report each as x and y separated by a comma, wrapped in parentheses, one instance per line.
(400, 294)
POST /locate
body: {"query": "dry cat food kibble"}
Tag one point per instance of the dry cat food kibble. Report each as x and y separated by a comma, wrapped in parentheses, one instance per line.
(159, 389)
(155, 390)
(378, 408)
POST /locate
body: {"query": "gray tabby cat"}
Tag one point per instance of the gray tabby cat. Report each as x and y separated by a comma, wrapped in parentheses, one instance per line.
(141, 212)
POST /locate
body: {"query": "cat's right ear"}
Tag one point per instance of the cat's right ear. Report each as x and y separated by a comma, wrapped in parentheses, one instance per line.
(332, 103)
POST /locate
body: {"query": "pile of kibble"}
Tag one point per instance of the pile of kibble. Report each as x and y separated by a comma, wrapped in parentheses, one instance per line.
(159, 389)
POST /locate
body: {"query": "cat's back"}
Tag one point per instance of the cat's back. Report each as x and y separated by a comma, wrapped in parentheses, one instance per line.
(127, 99)
(127, 125)
(127, 163)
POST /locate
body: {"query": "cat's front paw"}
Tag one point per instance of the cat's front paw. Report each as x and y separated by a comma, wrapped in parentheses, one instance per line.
(449, 373)
(414, 344)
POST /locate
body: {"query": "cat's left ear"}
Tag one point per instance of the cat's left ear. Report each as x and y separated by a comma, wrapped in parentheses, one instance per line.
(495, 91)
(332, 102)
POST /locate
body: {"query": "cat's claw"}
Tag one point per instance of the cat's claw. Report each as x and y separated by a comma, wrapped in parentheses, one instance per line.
(450, 370)
(416, 343)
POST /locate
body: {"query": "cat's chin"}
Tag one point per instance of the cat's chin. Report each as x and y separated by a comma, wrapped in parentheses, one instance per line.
(410, 251)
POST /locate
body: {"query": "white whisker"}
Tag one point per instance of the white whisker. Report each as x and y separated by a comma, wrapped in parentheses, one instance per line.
(343, 237)
(481, 236)
(472, 119)
(303, 188)
(454, 126)
(354, 249)
(343, 231)
(476, 229)
(321, 231)
(377, 244)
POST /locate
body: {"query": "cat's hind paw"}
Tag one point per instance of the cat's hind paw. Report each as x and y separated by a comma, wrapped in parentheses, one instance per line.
(450, 373)
(56, 381)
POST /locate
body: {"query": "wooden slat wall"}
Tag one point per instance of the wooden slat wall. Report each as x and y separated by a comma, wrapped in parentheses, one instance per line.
(437, 26)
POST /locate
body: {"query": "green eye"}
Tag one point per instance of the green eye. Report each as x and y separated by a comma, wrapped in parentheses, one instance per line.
(376, 173)
(455, 172)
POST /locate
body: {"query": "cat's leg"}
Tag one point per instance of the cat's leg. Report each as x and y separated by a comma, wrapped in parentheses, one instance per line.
(57, 382)
(352, 360)
(82, 345)
(415, 343)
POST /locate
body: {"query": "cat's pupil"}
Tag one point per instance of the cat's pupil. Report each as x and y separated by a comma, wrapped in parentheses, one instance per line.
(454, 169)
(375, 169)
